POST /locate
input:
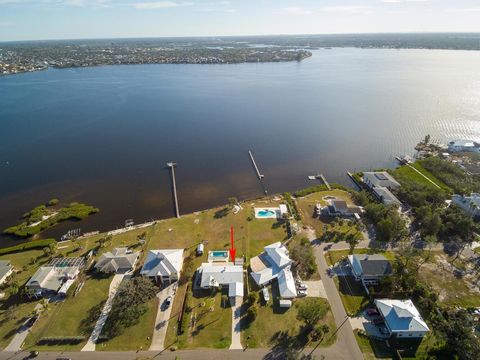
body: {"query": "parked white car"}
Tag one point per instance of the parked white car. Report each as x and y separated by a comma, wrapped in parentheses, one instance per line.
(302, 293)
(301, 286)
(266, 295)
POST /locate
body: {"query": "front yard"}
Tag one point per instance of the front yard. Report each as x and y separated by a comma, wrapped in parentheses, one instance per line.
(274, 324)
(74, 317)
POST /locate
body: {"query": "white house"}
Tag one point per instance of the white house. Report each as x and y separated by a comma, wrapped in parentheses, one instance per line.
(469, 204)
(402, 318)
(380, 178)
(369, 268)
(210, 275)
(117, 261)
(463, 146)
(163, 266)
(51, 280)
(6, 270)
(386, 196)
(274, 263)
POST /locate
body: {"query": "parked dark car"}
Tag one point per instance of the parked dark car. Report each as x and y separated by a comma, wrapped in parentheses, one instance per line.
(372, 311)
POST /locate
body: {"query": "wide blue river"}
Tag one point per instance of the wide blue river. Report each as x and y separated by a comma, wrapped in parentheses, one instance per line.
(103, 135)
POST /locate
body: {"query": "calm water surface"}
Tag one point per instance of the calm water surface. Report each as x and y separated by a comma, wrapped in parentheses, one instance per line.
(103, 135)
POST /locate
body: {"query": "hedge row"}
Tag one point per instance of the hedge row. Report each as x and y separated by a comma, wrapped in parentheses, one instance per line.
(35, 244)
(61, 340)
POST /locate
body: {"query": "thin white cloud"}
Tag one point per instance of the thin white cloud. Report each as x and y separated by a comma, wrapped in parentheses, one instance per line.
(6, 23)
(465, 10)
(297, 10)
(159, 5)
(402, 1)
(351, 9)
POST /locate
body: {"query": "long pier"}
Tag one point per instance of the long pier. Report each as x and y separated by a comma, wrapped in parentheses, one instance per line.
(260, 176)
(321, 177)
(355, 181)
(172, 165)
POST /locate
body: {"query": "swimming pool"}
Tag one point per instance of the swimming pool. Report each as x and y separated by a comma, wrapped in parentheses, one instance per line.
(218, 255)
(267, 213)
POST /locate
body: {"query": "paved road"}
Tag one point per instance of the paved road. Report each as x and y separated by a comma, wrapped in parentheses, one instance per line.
(236, 335)
(92, 341)
(200, 354)
(163, 316)
(345, 338)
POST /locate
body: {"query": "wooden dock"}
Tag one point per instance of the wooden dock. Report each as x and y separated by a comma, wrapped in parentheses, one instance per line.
(350, 175)
(260, 176)
(324, 180)
(172, 165)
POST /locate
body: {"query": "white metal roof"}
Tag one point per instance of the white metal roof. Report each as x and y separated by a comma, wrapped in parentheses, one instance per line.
(235, 289)
(220, 274)
(278, 254)
(163, 262)
(401, 315)
(286, 284)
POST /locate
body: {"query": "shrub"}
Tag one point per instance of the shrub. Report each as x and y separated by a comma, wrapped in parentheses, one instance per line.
(31, 245)
(252, 298)
(252, 312)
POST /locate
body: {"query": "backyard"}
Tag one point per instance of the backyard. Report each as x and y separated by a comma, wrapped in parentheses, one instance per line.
(306, 206)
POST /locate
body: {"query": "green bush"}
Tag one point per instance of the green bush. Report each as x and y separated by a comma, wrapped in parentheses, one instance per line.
(34, 244)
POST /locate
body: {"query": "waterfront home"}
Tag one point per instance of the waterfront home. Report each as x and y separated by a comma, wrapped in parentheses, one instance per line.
(463, 146)
(380, 179)
(402, 319)
(341, 208)
(51, 280)
(386, 196)
(274, 263)
(369, 268)
(6, 270)
(218, 275)
(119, 260)
(469, 204)
(163, 266)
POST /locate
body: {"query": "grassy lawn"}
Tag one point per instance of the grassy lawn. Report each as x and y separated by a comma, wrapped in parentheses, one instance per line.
(374, 349)
(76, 316)
(212, 324)
(272, 320)
(136, 337)
(306, 206)
(408, 173)
(353, 295)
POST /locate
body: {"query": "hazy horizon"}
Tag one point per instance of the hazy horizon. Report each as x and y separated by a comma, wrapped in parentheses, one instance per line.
(29, 20)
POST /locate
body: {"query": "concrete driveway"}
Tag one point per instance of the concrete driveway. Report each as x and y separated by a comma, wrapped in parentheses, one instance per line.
(97, 330)
(236, 334)
(163, 316)
(18, 339)
(315, 289)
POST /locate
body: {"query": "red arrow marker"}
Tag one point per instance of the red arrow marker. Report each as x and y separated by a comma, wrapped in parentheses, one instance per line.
(232, 245)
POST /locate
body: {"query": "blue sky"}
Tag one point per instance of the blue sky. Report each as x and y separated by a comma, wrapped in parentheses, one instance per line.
(69, 19)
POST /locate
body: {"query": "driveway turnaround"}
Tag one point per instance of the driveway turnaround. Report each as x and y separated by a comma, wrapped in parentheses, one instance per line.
(236, 335)
(163, 316)
(97, 330)
(315, 289)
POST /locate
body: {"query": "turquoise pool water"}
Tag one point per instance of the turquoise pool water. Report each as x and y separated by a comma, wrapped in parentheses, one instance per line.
(265, 213)
(217, 254)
